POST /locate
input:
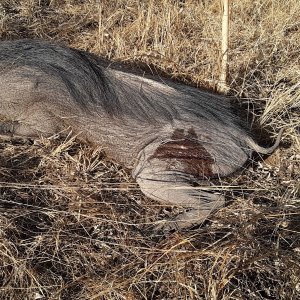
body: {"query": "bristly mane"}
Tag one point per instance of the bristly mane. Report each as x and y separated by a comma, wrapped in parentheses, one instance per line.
(94, 86)
(78, 70)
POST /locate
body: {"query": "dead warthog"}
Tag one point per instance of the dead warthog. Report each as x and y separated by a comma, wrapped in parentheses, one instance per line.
(171, 135)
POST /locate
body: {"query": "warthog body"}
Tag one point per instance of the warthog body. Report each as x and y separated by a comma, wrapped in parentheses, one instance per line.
(170, 134)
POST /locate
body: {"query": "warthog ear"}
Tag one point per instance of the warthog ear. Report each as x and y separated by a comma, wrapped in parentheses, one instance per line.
(176, 189)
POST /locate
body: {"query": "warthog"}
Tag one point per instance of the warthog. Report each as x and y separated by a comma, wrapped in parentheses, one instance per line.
(171, 135)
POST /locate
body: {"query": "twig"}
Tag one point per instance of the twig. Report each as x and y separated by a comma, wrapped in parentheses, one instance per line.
(223, 87)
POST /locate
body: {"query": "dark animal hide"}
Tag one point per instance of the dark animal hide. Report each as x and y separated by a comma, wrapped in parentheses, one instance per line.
(170, 134)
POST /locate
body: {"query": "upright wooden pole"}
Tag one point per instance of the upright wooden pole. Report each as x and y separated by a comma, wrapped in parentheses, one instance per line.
(222, 86)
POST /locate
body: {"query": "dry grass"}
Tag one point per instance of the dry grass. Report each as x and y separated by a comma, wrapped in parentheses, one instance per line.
(73, 225)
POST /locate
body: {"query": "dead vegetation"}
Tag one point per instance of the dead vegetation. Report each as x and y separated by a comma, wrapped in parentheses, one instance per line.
(73, 225)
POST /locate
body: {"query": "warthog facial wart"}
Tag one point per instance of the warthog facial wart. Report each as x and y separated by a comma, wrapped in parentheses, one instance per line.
(171, 135)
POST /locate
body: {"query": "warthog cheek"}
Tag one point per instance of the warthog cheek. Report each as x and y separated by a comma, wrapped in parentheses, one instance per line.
(185, 153)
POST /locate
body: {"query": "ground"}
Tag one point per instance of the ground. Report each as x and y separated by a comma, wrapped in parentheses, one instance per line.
(74, 225)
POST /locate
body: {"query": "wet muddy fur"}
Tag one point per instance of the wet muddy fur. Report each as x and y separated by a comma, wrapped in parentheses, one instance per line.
(170, 134)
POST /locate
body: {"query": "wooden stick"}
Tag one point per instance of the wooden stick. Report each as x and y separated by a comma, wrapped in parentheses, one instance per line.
(223, 87)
